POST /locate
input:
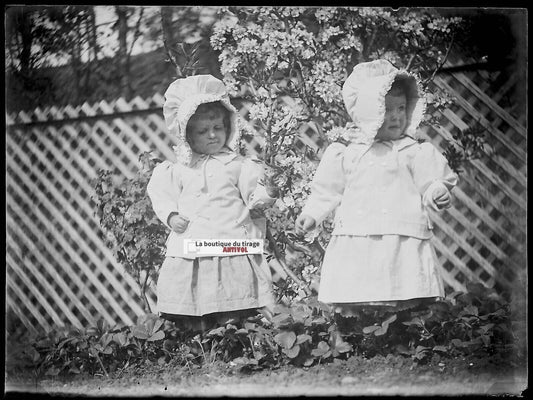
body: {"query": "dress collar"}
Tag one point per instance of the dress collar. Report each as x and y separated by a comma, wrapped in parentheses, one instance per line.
(225, 155)
(398, 144)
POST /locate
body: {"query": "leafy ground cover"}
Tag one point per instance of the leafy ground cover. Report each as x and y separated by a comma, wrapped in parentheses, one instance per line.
(466, 343)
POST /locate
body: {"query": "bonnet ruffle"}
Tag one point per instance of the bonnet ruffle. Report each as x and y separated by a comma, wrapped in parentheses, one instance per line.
(364, 97)
(183, 97)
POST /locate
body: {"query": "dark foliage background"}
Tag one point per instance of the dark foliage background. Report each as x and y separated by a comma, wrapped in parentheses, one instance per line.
(496, 39)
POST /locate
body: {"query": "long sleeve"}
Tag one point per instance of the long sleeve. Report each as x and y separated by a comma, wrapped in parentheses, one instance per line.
(328, 184)
(164, 190)
(431, 172)
(252, 191)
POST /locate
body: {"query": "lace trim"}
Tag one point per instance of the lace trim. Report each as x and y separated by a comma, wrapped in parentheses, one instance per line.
(358, 132)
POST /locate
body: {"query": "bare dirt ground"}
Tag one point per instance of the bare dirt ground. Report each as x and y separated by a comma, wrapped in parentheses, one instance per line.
(353, 377)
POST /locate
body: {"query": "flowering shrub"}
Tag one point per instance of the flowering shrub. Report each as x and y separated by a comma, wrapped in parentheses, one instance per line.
(131, 228)
(289, 64)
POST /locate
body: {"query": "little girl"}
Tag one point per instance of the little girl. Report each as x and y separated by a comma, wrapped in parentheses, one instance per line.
(208, 194)
(380, 184)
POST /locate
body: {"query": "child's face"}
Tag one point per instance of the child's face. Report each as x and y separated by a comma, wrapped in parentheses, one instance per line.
(206, 133)
(395, 120)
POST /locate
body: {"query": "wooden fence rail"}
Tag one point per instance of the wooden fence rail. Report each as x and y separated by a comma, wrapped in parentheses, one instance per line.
(59, 270)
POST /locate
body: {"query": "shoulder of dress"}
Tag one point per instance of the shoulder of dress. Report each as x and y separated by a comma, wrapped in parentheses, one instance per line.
(245, 159)
(423, 148)
(335, 150)
(168, 167)
(338, 146)
(164, 165)
(426, 145)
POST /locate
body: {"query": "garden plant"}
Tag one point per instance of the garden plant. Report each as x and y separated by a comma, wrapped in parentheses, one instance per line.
(286, 66)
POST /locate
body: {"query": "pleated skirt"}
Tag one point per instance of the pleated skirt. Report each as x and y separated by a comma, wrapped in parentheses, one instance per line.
(206, 285)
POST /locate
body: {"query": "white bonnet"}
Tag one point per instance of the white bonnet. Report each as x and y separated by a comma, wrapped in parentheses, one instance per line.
(364, 97)
(183, 97)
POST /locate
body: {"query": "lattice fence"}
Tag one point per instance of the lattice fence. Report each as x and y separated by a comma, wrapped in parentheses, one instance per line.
(483, 237)
(59, 271)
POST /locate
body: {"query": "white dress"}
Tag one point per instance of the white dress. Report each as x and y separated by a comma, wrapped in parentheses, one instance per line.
(380, 251)
(379, 268)
(216, 193)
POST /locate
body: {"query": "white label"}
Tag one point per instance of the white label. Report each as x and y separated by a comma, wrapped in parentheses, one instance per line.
(222, 247)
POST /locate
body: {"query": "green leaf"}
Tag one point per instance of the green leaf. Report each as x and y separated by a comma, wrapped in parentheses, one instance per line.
(303, 338)
(319, 320)
(217, 332)
(106, 339)
(442, 349)
(321, 349)
(159, 335)
(120, 338)
(308, 362)
(53, 371)
(140, 333)
(470, 310)
(422, 349)
(285, 339)
(415, 321)
(292, 352)
(282, 320)
(299, 315)
(157, 325)
(343, 347)
(370, 329)
(381, 330)
(250, 326)
(35, 355)
(389, 320)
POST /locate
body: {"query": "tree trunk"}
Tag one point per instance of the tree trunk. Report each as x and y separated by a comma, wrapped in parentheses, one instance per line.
(124, 67)
(91, 64)
(167, 13)
(170, 40)
(25, 28)
(92, 34)
(76, 66)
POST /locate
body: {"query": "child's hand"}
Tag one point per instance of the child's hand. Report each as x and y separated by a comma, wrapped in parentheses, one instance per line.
(442, 198)
(304, 224)
(178, 223)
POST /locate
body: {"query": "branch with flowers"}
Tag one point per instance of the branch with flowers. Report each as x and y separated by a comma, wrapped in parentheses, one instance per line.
(290, 63)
